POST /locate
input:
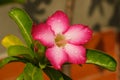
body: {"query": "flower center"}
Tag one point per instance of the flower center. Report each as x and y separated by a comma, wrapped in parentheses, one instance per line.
(60, 40)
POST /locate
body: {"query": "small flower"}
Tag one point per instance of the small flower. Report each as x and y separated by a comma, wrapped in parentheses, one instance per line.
(64, 42)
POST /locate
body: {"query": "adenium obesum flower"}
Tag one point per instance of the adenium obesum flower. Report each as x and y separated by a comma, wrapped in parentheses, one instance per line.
(64, 42)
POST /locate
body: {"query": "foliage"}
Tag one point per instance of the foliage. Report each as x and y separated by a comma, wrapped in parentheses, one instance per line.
(34, 58)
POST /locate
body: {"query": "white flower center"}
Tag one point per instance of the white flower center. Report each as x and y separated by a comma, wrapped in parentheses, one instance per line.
(60, 40)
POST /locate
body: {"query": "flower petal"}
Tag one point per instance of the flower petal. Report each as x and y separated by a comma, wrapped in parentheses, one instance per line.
(43, 34)
(59, 22)
(78, 34)
(76, 54)
(56, 56)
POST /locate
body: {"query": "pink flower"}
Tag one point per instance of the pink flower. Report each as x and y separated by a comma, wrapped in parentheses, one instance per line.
(64, 42)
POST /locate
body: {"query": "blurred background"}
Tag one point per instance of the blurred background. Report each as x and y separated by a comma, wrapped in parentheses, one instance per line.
(102, 16)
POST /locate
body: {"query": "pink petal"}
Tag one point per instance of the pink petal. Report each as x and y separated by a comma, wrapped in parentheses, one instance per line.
(43, 34)
(59, 22)
(56, 56)
(76, 54)
(78, 34)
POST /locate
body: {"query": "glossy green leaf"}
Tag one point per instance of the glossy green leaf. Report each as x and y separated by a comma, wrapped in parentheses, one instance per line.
(24, 23)
(32, 72)
(101, 59)
(53, 74)
(2, 2)
(18, 50)
(11, 40)
(11, 59)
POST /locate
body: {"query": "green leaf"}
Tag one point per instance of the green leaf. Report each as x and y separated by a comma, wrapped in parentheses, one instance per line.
(40, 53)
(53, 74)
(21, 77)
(2, 2)
(101, 59)
(24, 23)
(11, 59)
(18, 50)
(11, 40)
(32, 72)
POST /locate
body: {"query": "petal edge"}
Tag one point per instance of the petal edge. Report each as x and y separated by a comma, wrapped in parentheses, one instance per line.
(78, 34)
(59, 22)
(43, 34)
(56, 56)
(76, 54)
